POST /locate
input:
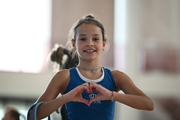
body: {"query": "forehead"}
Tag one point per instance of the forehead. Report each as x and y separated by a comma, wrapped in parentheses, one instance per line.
(90, 29)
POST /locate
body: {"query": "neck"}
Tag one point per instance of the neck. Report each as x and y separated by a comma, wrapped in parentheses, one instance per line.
(89, 69)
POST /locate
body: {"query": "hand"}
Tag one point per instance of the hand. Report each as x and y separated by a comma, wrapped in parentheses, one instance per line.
(76, 94)
(102, 93)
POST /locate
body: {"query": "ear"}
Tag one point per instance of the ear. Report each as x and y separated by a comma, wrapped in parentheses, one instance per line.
(73, 42)
(104, 44)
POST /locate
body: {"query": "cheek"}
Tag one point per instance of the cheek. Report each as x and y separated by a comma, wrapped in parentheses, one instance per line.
(79, 44)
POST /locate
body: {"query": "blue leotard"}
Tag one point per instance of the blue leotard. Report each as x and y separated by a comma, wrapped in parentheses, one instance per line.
(99, 110)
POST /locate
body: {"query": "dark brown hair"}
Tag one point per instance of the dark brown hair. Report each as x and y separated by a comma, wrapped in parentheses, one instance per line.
(14, 113)
(88, 19)
(64, 57)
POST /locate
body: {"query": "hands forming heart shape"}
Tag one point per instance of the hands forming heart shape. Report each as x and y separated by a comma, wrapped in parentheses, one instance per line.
(102, 93)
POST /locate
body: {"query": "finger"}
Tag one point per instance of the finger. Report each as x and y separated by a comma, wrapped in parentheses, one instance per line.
(87, 87)
(84, 86)
(93, 100)
(84, 101)
(92, 87)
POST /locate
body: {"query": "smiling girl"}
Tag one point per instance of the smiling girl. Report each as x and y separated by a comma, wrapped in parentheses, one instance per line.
(90, 90)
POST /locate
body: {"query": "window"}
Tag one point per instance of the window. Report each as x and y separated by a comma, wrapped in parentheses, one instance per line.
(24, 34)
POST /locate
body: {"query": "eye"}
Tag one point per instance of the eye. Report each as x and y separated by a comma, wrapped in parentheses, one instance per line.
(82, 39)
(95, 39)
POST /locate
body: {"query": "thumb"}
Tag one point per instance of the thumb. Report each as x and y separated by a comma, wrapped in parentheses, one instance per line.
(85, 101)
(92, 100)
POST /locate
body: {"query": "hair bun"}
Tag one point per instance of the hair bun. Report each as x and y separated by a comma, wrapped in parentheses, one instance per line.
(89, 17)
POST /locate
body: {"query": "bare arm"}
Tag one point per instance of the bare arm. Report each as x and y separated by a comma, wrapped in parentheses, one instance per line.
(133, 96)
(58, 85)
(53, 89)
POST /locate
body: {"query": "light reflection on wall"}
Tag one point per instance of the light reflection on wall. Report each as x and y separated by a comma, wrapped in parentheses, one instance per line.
(24, 34)
(119, 34)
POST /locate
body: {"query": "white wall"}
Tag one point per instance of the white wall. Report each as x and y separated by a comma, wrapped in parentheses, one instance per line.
(148, 22)
(23, 85)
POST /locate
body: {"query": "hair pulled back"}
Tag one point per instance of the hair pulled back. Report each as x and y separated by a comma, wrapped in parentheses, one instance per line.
(88, 19)
(63, 57)
(67, 58)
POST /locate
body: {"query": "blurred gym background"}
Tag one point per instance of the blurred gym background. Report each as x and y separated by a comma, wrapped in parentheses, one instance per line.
(144, 40)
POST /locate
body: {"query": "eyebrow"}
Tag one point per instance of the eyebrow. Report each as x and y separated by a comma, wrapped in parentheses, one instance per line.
(92, 35)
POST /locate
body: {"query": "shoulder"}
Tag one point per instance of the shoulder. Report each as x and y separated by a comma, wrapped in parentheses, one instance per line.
(117, 74)
(120, 78)
(57, 85)
(63, 73)
(61, 78)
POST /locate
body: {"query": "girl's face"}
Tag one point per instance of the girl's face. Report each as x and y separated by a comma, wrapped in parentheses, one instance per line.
(89, 42)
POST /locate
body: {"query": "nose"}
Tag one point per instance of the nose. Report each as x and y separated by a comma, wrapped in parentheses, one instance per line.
(89, 43)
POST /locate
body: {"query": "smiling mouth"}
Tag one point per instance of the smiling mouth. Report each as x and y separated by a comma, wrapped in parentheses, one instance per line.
(89, 51)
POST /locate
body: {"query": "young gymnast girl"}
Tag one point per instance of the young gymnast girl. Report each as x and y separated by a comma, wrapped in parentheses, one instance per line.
(90, 90)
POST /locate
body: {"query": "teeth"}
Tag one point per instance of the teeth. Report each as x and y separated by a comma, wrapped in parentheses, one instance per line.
(89, 50)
